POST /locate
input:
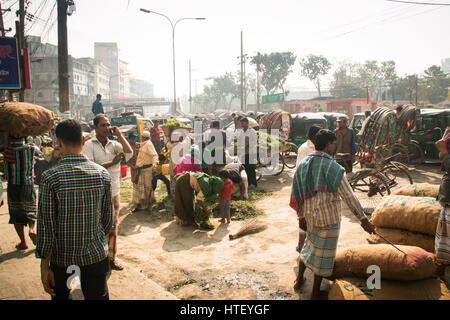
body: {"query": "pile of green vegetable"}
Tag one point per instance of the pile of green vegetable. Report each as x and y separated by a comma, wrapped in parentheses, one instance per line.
(173, 124)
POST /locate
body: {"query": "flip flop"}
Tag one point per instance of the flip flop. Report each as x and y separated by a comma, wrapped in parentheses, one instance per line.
(115, 265)
(21, 246)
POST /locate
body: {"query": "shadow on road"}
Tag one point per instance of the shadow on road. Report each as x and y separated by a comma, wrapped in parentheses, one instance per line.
(179, 238)
(15, 255)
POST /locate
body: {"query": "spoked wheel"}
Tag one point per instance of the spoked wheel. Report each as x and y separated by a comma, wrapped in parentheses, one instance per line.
(269, 169)
(396, 170)
(289, 157)
(370, 187)
(401, 153)
(415, 152)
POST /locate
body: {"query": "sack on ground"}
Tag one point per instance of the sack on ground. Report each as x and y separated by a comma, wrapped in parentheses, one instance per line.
(418, 264)
(403, 237)
(418, 190)
(419, 214)
(356, 289)
(25, 119)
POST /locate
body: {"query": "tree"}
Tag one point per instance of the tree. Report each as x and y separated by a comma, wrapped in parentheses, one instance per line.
(435, 84)
(223, 89)
(346, 83)
(275, 67)
(313, 67)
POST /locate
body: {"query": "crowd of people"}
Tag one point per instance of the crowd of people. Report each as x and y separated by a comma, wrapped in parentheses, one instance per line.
(74, 218)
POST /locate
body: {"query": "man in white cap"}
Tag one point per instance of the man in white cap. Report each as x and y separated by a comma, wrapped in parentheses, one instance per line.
(146, 163)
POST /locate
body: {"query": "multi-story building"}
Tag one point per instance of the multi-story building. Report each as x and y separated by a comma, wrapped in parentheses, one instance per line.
(108, 54)
(446, 66)
(124, 79)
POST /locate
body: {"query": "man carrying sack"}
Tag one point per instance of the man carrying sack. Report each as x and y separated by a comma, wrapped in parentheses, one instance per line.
(146, 163)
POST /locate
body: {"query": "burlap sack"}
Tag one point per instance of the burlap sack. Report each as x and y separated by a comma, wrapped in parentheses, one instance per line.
(25, 119)
(394, 265)
(419, 214)
(418, 190)
(404, 237)
(356, 289)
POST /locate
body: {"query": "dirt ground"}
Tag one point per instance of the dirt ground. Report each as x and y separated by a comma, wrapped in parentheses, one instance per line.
(207, 265)
(164, 260)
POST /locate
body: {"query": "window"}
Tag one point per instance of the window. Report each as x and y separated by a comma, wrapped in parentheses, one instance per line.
(40, 95)
(358, 109)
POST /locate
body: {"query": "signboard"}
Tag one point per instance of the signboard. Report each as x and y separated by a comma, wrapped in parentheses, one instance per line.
(277, 97)
(9, 64)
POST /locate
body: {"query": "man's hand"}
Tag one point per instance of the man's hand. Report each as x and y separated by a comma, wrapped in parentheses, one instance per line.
(367, 226)
(442, 146)
(48, 279)
(117, 158)
(116, 132)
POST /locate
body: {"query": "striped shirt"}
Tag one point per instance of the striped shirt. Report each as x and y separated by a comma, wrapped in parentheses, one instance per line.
(74, 212)
(324, 209)
(20, 170)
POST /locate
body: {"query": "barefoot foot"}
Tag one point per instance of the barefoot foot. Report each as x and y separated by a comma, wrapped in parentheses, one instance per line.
(21, 246)
(299, 283)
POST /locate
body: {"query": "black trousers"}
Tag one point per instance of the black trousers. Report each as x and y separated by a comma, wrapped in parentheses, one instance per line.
(164, 179)
(93, 280)
(250, 169)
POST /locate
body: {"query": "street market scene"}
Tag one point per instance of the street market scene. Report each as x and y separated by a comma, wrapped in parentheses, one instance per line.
(284, 174)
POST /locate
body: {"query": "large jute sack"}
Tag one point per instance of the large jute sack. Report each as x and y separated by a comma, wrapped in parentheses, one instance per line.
(404, 237)
(25, 119)
(418, 264)
(418, 190)
(419, 214)
(356, 289)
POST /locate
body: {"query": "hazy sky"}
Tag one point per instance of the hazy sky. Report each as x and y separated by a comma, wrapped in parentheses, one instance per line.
(414, 36)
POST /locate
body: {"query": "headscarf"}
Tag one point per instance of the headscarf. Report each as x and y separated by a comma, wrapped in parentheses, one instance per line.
(446, 138)
(210, 185)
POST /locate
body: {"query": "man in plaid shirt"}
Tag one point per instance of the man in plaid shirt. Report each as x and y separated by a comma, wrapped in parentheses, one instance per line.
(74, 215)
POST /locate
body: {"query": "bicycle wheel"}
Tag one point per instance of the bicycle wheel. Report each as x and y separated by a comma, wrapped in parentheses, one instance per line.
(289, 157)
(370, 187)
(396, 170)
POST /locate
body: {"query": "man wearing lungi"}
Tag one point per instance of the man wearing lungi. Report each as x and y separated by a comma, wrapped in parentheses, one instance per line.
(19, 163)
(109, 153)
(319, 185)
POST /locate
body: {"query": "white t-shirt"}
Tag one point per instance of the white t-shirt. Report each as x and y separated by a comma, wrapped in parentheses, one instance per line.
(94, 150)
(305, 149)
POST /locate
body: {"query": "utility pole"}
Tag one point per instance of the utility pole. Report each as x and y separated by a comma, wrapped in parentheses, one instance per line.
(416, 88)
(63, 57)
(21, 40)
(2, 26)
(242, 73)
(190, 91)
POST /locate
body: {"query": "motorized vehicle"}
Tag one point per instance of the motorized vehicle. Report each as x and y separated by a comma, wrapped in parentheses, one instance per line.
(301, 122)
(357, 121)
(429, 128)
(134, 123)
(331, 118)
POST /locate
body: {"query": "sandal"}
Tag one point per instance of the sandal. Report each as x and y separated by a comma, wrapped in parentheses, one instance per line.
(21, 246)
(115, 265)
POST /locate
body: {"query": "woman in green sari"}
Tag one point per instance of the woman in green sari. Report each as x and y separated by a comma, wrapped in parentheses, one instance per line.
(204, 186)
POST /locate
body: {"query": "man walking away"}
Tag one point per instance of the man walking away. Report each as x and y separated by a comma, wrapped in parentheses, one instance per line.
(345, 143)
(109, 153)
(317, 187)
(19, 164)
(74, 215)
(97, 106)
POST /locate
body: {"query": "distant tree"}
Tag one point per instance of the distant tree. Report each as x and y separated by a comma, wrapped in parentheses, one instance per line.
(313, 67)
(346, 82)
(275, 67)
(222, 90)
(435, 84)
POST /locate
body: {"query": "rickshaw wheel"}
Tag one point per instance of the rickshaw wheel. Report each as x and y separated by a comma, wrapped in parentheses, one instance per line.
(370, 187)
(289, 157)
